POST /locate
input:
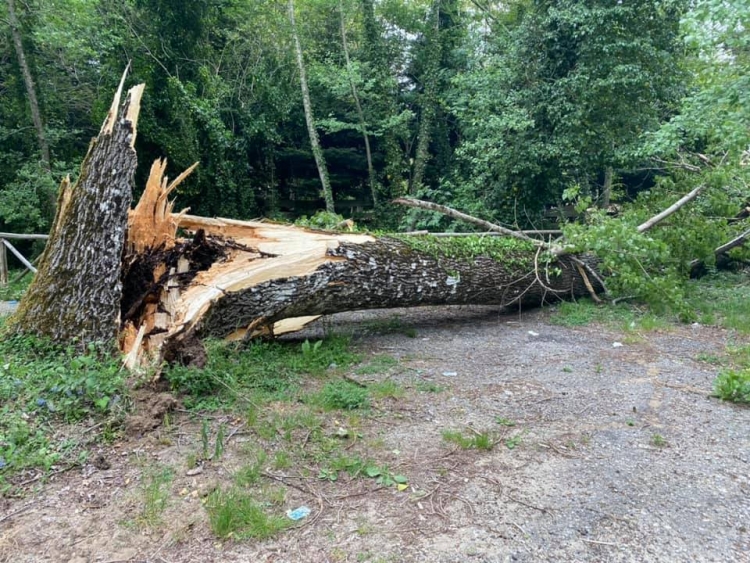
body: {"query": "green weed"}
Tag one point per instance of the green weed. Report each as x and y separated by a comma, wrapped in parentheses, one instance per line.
(477, 441)
(341, 394)
(234, 513)
(156, 493)
(733, 385)
(658, 441)
(428, 387)
(387, 389)
(258, 371)
(250, 474)
(42, 384)
(391, 325)
(379, 364)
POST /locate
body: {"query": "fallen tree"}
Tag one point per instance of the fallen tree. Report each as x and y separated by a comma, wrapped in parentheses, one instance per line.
(160, 294)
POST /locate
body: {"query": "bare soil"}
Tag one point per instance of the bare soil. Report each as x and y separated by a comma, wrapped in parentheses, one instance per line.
(617, 454)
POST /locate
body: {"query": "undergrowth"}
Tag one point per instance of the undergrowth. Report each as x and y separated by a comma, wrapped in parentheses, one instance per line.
(261, 370)
(43, 385)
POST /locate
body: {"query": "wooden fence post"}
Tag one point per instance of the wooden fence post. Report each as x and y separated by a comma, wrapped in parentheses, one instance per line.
(3, 264)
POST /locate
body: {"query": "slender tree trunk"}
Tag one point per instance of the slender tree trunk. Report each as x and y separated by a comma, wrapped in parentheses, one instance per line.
(607, 188)
(427, 116)
(360, 113)
(385, 106)
(309, 117)
(77, 291)
(28, 80)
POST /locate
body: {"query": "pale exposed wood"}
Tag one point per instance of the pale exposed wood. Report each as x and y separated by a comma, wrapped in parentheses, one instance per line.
(656, 219)
(152, 223)
(734, 243)
(109, 123)
(18, 255)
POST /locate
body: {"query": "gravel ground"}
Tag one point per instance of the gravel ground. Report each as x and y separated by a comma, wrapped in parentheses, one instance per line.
(617, 454)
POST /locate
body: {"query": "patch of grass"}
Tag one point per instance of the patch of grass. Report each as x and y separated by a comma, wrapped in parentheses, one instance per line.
(428, 387)
(234, 513)
(260, 370)
(341, 394)
(250, 474)
(733, 385)
(42, 385)
(502, 421)
(379, 364)
(659, 441)
(387, 389)
(477, 441)
(721, 299)
(156, 494)
(15, 289)
(282, 460)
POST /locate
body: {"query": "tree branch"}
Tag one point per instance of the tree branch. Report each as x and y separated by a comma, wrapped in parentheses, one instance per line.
(450, 212)
(669, 210)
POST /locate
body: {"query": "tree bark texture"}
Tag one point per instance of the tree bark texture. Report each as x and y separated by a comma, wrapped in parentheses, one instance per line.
(309, 117)
(77, 292)
(276, 278)
(28, 80)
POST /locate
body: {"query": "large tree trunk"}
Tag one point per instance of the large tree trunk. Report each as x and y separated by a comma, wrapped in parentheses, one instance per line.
(28, 80)
(77, 291)
(240, 280)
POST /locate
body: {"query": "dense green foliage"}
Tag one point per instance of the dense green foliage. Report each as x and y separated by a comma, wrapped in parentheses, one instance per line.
(505, 110)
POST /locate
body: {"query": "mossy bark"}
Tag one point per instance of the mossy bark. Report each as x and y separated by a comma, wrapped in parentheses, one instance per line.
(77, 292)
(391, 273)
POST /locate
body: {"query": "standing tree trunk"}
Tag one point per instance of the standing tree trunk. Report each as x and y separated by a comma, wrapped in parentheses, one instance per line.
(360, 113)
(427, 106)
(77, 291)
(309, 117)
(28, 80)
(607, 188)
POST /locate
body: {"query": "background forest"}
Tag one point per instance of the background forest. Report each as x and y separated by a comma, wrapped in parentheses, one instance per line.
(502, 109)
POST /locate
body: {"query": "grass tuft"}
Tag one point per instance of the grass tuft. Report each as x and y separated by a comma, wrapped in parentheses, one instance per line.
(234, 513)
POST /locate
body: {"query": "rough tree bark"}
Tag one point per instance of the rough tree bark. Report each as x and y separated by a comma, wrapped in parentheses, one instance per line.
(309, 117)
(272, 279)
(77, 291)
(28, 80)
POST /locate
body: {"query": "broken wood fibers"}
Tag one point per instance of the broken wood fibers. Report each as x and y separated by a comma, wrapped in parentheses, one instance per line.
(167, 291)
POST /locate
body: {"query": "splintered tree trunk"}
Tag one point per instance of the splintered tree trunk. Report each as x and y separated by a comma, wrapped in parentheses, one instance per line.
(241, 280)
(77, 291)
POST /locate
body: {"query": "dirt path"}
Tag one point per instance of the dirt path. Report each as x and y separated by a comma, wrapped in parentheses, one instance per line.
(603, 452)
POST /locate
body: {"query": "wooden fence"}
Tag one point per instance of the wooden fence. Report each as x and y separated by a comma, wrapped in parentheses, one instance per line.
(5, 245)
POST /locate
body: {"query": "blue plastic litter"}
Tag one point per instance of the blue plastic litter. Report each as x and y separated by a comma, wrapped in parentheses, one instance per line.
(298, 513)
